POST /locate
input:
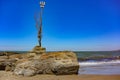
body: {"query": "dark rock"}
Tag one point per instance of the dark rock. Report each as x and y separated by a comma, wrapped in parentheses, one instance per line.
(2, 62)
(2, 66)
(2, 54)
(5, 62)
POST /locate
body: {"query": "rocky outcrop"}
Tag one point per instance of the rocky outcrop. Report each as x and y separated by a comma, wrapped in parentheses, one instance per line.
(33, 63)
(38, 50)
(8, 60)
(5, 62)
(50, 63)
(7, 53)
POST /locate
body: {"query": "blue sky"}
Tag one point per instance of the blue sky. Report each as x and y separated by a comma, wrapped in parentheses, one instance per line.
(67, 24)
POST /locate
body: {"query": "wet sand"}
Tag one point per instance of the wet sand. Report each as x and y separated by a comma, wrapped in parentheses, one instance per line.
(9, 76)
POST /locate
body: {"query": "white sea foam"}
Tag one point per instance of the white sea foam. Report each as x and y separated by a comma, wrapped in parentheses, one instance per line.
(95, 63)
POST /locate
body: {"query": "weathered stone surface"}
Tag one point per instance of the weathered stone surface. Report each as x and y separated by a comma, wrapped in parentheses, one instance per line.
(38, 50)
(7, 53)
(65, 67)
(8, 60)
(2, 54)
(32, 67)
(16, 56)
(3, 57)
(2, 66)
(5, 62)
(63, 63)
(50, 63)
(8, 65)
(9, 56)
(23, 69)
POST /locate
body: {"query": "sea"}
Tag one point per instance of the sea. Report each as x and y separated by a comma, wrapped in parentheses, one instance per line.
(99, 62)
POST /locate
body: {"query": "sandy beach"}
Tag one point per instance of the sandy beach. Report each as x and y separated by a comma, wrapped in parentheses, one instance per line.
(9, 76)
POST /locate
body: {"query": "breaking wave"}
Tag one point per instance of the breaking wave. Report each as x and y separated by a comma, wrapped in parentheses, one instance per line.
(95, 63)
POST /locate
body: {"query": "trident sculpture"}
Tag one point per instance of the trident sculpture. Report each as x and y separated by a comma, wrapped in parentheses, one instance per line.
(39, 23)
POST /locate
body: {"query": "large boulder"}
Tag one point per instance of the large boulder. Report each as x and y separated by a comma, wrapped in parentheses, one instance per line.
(64, 62)
(50, 63)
